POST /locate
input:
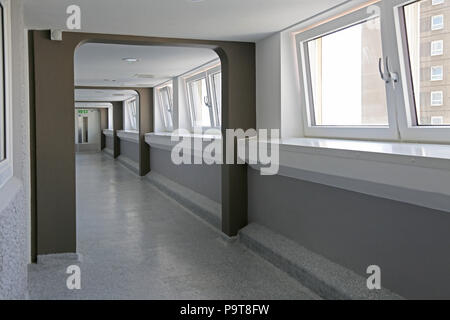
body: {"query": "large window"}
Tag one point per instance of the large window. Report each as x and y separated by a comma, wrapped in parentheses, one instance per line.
(6, 161)
(204, 92)
(2, 87)
(165, 100)
(378, 72)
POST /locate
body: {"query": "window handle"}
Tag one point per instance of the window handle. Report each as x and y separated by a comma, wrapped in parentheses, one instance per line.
(392, 75)
(387, 75)
(383, 74)
(207, 103)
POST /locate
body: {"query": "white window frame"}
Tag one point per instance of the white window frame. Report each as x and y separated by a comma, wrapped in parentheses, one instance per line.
(128, 116)
(167, 115)
(387, 132)
(402, 116)
(439, 77)
(6, 165)
(408, 125)
(214, 113)
(438, 26)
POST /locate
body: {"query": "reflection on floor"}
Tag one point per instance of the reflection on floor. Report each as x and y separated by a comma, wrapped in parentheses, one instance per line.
(138, 244)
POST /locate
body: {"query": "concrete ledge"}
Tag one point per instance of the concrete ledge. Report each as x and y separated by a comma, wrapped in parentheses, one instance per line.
(205, 208)
(327, 279)
(129, 164)
(57, 258)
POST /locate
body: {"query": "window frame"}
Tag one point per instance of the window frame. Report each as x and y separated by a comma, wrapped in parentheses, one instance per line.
(441, 74)
(372, 132)
(438, 26)
(6, 165)
(214, 113)
(127, 109)
(168, 87)
(408, 123)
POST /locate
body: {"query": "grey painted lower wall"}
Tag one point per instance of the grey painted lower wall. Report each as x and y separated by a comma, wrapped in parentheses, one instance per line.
(410, 243)
(130, 150)
(109, 142)
(204, 179)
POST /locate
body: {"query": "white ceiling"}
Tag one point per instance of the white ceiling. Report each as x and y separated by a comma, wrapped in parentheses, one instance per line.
(91, 95)
(103, 65)
(237, 20)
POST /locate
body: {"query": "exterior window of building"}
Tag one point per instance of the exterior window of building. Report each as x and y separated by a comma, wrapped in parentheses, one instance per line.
(437, 48)
(436, 2)
(436, 121)
(437, 22)
(437, 98)
(437, 73)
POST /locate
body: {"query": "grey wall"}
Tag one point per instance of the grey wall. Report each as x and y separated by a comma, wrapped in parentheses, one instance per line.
(129, 150)
(204, 179)
(410, 243)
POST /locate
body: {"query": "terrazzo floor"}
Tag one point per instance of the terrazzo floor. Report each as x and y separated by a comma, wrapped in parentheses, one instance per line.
(136, 243)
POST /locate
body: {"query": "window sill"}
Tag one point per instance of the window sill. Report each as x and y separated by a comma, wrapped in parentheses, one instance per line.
(163, 141)
(108, 132)
(127, 135)
(407, 172)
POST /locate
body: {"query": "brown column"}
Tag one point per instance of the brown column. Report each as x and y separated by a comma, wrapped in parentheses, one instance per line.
(117, 125)
(103, 126)
(145, 126)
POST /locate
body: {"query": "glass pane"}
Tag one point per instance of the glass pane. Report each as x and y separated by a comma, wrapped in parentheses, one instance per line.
(347, 89)
(427, 33)
(2, 94)
(166, 101)
(217, 83)
(200, 103)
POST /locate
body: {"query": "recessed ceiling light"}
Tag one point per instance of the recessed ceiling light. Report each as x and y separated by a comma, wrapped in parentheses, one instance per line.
(130, 59)
(144, 76)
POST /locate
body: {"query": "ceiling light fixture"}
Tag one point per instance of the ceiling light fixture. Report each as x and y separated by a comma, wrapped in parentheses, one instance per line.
(130, 59)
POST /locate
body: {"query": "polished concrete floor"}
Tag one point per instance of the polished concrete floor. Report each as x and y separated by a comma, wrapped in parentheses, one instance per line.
(136, 243)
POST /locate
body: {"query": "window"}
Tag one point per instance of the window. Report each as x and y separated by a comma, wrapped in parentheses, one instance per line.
(165, 97)
(204, 92)
(344, 77)
(131, 118)
(436, 2)
(364, 73)
(6, 164)
(437, 48)
(436, 121)
(437, 22)
(437, 73)
(437, 98)
(414, 15)
(2, 89)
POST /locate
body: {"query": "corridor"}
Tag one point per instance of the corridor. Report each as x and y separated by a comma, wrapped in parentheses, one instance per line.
(136, 243)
